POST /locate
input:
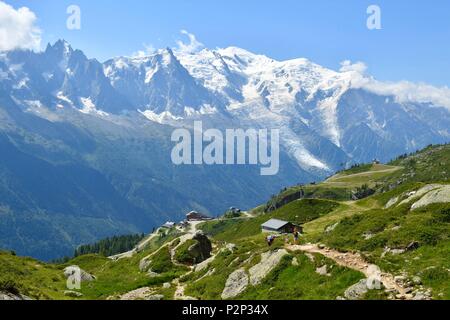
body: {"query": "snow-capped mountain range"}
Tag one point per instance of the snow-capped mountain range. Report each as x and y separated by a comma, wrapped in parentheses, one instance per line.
(86, 145)
(326, 119)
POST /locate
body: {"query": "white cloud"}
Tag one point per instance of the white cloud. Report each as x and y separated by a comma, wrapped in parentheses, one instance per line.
(18, 29)
(193, 46)
(403, 91)
(359, 67)
(148, 50)
(406, 91)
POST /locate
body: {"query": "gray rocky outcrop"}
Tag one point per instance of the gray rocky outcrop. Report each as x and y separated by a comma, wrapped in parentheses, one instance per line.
(8, 296)
(439, 195)
(357, 291)
(74, 271)
(269, 260)
(73, 294)
(391, 203)
(142, 294)
(323, 271)
(236, 284)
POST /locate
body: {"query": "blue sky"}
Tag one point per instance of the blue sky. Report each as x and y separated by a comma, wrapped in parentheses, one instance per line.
(413, 45)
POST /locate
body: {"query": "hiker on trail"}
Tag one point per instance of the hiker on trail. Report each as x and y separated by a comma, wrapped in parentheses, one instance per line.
(296, 236)
(270, 240)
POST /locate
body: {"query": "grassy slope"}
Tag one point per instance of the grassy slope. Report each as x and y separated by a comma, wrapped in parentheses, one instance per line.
(353, 220)
(299, 212)
(31, 277)
(284, 282)
(119, 277)
(353, 179)
(430, 165)
(340, 186)
(398, 226)
(46, 281)
(287, 281)
(302, 282)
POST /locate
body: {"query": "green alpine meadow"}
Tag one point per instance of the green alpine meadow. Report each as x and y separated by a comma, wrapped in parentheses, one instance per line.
(401, 228)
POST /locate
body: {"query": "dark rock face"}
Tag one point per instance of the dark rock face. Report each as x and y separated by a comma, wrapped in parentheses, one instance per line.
(201, 250)
(413, 246)
(278, 203)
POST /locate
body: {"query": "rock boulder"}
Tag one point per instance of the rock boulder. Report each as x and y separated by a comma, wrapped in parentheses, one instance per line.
(269, 261)
(236, 284)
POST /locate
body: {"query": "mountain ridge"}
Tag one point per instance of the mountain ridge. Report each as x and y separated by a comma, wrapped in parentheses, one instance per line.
(175, 88)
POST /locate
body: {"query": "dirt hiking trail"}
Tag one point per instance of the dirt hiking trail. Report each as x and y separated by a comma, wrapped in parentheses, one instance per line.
(353, 261)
